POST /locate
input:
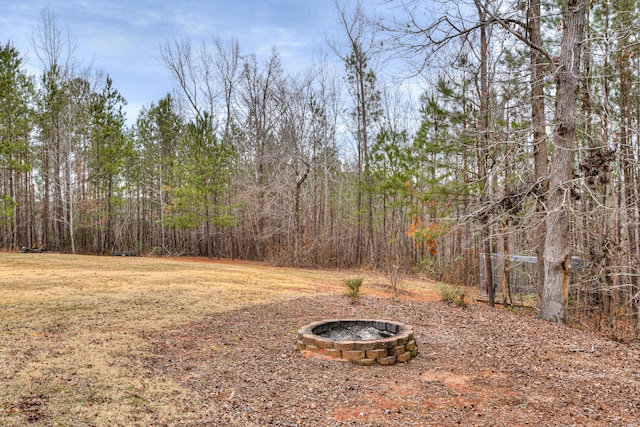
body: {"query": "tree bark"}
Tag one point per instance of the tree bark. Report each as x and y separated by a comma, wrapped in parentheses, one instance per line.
(557, 250)
(297, 223)
(483, 152)
(541, 161)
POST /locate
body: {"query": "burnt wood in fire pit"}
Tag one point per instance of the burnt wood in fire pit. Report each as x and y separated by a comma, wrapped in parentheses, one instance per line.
(365, 342)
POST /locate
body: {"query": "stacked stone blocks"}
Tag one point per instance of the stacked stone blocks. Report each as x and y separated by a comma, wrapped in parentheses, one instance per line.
(399, 348)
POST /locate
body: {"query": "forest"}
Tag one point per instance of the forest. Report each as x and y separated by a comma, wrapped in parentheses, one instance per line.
(439, 140)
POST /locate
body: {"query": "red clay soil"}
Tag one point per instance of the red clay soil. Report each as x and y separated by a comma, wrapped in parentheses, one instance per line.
(476, 367)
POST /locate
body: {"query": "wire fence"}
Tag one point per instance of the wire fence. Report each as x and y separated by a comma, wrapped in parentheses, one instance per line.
(519, 283)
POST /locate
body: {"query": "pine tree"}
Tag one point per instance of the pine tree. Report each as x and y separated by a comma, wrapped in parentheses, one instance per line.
(16, 121)
(108, 149)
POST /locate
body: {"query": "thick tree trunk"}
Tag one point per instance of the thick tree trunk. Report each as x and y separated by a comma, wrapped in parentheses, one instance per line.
(486, 259)
(557, 250)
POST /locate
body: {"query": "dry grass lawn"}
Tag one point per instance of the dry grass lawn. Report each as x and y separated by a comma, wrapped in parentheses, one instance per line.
(73, 329)
(117, 341)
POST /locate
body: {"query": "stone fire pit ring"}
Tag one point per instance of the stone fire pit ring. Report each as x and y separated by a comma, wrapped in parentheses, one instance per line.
(396, 343)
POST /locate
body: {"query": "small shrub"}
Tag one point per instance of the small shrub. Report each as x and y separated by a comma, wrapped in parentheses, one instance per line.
(353, 288)
(453, 295)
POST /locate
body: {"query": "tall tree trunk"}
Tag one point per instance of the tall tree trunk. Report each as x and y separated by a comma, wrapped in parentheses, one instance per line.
(557, 250)
(483, 152)
(59, 224)
(44, 216)
(623, 9)
(208, 240)
(296, 216)
(609, 199)
(541, 161)
(108, 240)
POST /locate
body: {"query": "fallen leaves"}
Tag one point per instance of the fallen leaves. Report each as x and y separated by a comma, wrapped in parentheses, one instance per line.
(477, 366)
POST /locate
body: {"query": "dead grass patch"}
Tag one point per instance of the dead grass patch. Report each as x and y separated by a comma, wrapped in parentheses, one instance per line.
(74, 330)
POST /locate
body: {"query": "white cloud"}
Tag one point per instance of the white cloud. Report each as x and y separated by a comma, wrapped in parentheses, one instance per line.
(123, 37)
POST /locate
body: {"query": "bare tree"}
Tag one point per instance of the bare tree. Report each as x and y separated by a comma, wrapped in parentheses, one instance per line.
(196, 73)
(358, 54)
(51, 45)
(59, 120)
(228, 65)
(260, 113)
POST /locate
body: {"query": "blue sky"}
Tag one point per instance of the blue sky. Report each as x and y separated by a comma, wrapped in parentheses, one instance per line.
(123, 37)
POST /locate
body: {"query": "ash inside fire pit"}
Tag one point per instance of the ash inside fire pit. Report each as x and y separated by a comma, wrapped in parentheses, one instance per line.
(355, 333)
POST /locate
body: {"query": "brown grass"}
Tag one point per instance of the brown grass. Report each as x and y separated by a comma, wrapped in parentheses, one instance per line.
(73, 328)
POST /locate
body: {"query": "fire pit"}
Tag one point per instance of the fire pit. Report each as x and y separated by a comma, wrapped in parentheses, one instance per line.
(365, 342)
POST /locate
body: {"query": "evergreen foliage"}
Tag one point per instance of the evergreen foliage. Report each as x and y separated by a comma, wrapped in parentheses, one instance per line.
(340, 166)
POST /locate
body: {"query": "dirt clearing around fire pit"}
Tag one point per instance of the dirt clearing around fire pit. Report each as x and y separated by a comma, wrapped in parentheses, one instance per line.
(108, 341)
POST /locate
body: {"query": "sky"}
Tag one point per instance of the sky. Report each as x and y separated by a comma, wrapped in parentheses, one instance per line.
(123, 37)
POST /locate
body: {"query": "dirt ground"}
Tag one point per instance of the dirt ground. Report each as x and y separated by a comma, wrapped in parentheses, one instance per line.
(476, 367)
(163, 342)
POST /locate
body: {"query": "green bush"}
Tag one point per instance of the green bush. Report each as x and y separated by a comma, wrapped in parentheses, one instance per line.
(453, 295)
(353, 288)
